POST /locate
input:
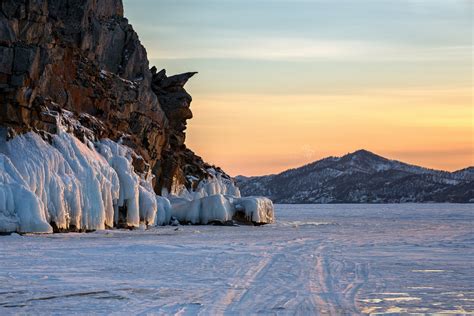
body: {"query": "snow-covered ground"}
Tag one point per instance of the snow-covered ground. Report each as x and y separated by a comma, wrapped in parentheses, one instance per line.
(316, 259)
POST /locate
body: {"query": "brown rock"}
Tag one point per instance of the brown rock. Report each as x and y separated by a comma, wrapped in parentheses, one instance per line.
(81, 61)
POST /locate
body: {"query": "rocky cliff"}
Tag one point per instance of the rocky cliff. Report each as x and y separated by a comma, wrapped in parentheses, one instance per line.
(81, 62)
(90, 137)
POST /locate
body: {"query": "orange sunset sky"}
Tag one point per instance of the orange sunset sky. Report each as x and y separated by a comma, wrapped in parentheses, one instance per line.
(283, 83)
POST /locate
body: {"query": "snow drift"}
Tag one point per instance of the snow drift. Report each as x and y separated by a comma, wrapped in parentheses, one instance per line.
(70, 185)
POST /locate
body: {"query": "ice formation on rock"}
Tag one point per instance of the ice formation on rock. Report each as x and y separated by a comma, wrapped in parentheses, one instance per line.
(148, 205)
(255, 209)
(130, 192)
(163, 214)
(216, 208)
(218, 185)
(218, 200)
(98, 184)
(70, 185)
(20, 209)
(74, 186)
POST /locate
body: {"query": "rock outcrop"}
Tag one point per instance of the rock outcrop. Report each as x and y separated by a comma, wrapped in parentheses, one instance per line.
(179, 165)
(90, 137)
(82, 60)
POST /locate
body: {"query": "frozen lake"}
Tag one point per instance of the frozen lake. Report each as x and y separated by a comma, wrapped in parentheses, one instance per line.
(317, 259)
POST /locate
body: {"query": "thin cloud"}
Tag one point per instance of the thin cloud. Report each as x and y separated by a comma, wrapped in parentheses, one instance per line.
(301, 49)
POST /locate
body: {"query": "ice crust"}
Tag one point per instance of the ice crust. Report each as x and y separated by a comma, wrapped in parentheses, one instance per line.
(316, 259)
(74, 185)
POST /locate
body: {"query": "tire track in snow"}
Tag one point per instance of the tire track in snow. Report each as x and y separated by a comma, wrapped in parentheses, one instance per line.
(241, 287)
(333, 285)
(350, 292)
(279, 276)
(321, 284)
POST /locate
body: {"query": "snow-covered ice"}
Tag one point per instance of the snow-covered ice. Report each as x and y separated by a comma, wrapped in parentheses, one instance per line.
(316, 259)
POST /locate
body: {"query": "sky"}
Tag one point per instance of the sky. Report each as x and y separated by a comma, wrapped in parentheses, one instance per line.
(282, 83)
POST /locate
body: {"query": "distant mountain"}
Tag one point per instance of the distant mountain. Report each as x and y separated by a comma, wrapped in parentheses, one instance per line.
(362, 177)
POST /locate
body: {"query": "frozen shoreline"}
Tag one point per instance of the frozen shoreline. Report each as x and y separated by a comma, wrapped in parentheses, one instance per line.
(70, 185)
(314, 259)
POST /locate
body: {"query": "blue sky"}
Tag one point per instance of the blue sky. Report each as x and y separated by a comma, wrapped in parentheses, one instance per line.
(387, 42)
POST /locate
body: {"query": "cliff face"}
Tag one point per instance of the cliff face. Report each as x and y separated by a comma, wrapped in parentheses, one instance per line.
(179, 165)
(80, 62)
